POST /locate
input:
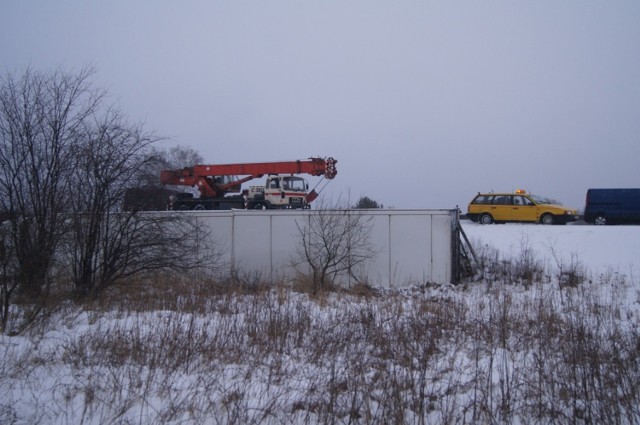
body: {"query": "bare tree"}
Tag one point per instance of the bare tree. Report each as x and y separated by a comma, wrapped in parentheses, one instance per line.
(66, 161)
(150, 194)
(333, 242)
(174, 158)
(109, 159)
(8, 283)
(107, 245)
(182, 156)
(41, 120)
(108, 249)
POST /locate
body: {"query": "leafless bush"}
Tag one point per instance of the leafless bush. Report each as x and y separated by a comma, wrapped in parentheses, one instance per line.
(334, 241)
(242, 281)
(528, 269)
(571, 272)
(521, 267)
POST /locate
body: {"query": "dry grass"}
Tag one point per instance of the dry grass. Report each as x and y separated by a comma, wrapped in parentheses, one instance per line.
(512, 349)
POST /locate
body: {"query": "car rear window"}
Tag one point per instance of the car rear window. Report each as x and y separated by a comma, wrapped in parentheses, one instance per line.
(482, 199)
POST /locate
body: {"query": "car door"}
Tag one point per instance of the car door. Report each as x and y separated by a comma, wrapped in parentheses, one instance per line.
(523, 209)
(501, 208)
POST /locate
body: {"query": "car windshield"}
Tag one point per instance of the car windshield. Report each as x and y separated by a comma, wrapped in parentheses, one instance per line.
(540, 199)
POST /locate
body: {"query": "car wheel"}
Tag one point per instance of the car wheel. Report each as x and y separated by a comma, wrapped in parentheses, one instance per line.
(547, 219)
(485, 219)
(600, 220)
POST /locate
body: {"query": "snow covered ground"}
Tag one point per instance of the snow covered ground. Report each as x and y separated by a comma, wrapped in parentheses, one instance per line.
(497, 350)
(599, 248)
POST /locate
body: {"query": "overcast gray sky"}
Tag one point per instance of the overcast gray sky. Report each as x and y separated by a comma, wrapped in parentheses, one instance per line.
(423, 103)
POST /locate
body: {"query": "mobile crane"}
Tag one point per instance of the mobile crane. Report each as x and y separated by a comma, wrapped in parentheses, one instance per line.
(220, 186)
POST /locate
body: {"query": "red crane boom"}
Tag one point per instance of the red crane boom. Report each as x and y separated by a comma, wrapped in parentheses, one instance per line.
(215, 180)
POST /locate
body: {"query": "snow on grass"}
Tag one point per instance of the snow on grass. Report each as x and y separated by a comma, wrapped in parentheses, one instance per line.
(521, 345)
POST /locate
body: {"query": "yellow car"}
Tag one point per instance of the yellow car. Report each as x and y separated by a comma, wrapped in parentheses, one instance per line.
(487, 208)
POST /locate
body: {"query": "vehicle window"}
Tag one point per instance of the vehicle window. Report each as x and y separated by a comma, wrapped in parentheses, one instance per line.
(294, 183)
(520, 200)
(502, 200)
(540, 200)
(482, 199)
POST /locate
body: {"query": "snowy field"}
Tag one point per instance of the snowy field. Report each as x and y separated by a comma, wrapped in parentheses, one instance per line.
(599, 248)
(516, 346)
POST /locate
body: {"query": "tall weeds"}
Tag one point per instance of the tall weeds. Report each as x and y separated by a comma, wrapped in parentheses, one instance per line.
(514, 349)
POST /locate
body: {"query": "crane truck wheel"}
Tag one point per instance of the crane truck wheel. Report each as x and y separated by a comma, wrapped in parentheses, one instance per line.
(260, 206)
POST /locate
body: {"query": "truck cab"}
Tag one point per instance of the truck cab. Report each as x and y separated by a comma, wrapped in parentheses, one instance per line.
(279, 192)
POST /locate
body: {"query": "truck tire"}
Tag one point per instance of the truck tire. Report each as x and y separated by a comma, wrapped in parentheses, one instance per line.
(260, 206)
(600, 220)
